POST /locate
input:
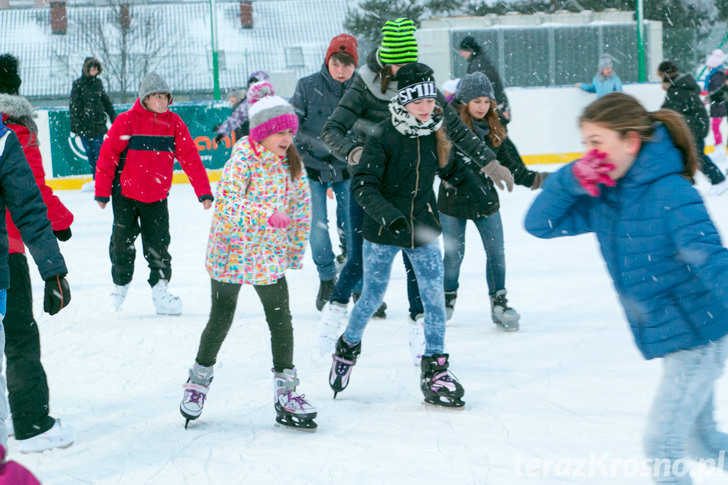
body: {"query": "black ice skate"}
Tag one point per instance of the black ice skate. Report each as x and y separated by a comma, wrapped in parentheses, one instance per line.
(439, 386)
(504, 316)
(195, 394)
(343, 360)
(292, 409)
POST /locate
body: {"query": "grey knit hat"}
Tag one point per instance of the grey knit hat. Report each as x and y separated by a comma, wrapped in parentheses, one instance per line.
(153, 83)
(605, 62)
(474, 85)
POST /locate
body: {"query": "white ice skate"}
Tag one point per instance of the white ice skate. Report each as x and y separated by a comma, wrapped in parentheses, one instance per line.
(118, 295)
(417, 341)
(292, 409)
(332, 317)
(165, 303)
(196, 387)
(59, 436)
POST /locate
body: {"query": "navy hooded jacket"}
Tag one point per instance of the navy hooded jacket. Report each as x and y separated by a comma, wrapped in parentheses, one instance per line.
(661, 248)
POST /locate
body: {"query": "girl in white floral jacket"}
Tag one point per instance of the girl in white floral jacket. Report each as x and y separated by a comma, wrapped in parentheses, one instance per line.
(259, 230)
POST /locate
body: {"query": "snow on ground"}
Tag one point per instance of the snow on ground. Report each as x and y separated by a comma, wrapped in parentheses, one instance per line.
(563, 401)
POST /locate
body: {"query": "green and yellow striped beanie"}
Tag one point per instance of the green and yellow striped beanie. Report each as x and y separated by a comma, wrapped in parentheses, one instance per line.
(399, 45)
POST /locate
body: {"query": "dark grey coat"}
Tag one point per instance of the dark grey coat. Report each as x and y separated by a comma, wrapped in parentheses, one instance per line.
(314, 100)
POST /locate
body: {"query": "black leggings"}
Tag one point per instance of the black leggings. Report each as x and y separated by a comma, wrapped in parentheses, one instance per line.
(277, 313)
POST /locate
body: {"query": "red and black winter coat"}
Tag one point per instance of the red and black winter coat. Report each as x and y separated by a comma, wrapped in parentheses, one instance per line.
(138, 154)
(19, 194)
(17, 114)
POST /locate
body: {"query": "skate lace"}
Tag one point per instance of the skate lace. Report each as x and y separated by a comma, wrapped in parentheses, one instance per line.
(195, 397)
(298, 400)
(342, 365)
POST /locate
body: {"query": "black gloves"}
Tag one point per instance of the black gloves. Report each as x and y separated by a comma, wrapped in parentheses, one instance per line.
(398, 226)
(215, 128)
(63, 234)
(57, 294)
(217, 138)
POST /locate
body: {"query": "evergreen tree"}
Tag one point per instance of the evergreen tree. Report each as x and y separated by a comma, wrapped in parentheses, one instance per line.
(367, 20)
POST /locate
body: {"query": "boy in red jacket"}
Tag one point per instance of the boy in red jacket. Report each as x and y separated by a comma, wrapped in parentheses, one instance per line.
(135, 170)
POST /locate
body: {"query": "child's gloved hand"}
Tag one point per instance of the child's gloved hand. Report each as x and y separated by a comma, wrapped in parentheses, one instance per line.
(279, 220)
(591, 170)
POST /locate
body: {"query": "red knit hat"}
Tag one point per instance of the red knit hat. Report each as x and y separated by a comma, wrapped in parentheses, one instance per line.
(343, 43)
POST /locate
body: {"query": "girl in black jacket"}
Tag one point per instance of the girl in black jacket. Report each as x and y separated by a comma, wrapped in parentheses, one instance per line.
(478, 200)
(356, 119)
(393, 184)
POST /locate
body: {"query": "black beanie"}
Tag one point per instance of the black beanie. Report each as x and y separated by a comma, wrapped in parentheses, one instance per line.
(470, 44)
(9, 79)
(415, 81)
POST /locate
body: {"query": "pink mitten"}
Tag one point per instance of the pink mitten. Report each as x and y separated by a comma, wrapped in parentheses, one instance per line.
(592, 170)
(13, 473)
(279, 220)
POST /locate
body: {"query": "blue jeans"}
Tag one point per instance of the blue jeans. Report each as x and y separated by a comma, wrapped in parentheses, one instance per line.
(427, 264)
(92, 147)
(351, 274)
(321, 248)
(491, 233)
(681, 423)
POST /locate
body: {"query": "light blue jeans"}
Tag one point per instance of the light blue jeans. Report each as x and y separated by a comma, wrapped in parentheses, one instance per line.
(681, 424)
(491, 233)
(427, 264)
(321, 248)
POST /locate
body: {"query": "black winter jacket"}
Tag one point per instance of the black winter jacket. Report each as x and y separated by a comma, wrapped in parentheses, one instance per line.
(20, 194)
(363, 106)
(480, 62)
(716, 83)
(89, 107)
(683, 96)
(476, 197)
(394, 179)
(314, 100)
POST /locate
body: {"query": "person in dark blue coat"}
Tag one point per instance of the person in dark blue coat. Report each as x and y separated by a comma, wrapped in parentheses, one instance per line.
(315, 98)
(633, 189)
(20, 194)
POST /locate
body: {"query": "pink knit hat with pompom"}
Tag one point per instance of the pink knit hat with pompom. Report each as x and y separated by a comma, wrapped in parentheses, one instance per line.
(268, 113)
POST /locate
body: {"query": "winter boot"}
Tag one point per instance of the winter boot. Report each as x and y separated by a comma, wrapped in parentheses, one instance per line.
(381, 311)
(417, 337)
(332, 317)
(440, 387)
(118, 295)
(292, 409)
(503, 315)
(719, 188)
(195, 393)
(343, 360)
(326, 288)
(58, 436)
(450, 298)
(165, 303)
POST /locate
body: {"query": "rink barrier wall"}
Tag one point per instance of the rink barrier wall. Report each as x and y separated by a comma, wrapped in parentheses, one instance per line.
(544, 128)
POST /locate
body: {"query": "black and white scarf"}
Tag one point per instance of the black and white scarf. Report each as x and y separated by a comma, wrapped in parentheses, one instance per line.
(410, 126)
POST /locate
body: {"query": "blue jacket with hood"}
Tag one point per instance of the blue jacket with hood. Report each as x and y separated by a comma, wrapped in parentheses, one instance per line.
(661, 248)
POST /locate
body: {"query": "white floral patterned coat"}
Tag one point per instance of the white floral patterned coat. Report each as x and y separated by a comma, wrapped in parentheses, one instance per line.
(242, 247)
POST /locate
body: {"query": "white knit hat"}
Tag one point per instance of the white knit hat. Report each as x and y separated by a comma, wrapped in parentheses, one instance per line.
(715, 59)
(268, 113)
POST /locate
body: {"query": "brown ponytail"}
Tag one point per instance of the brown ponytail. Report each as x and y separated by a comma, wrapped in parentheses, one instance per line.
(443, 147)
(624, 114)
(294, 161)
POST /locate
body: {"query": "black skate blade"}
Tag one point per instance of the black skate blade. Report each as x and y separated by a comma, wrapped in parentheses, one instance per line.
(335, 393)
(308, 425)
(444, 403)
(187, 423)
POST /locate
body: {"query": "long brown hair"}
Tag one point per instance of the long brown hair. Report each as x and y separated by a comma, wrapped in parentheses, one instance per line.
(386, 75)
(623, 113)
(497, 130)
(442, 146)
(294, 161)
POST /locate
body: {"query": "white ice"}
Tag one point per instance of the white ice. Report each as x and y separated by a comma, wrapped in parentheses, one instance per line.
(562, 401)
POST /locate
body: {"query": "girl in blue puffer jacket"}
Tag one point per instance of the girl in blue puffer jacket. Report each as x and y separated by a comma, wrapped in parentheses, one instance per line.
(633, 189)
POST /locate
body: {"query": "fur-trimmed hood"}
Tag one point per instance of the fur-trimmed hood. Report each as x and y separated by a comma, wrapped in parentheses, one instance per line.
(18, 110)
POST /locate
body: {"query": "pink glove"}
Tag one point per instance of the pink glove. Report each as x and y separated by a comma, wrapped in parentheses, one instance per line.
(13, 473)
(279, 220)
(591, 170)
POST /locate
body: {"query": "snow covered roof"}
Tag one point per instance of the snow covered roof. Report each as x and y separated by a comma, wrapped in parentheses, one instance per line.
(172, 39)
